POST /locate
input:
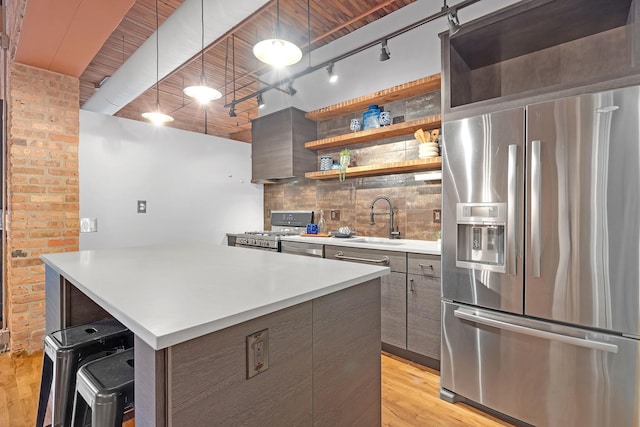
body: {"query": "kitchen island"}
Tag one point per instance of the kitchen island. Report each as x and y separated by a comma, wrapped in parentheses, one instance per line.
(193, 308)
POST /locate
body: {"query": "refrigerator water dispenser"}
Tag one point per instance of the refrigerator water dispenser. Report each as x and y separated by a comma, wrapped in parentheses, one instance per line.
(481, 235)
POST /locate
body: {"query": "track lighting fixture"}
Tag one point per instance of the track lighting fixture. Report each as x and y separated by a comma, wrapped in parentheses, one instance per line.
(333, 77)
(202, 93)
(157, 117)
(452, 18)
(232, 111)
(260, 101)
(291, 89)
(453, 22)
(385, 54)
(276, 51)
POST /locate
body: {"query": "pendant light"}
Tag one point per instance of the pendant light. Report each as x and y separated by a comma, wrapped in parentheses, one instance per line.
(157, 117)
(276, 51)
(202, 93)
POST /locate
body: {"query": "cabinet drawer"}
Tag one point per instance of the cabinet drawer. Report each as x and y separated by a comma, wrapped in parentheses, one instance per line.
(424, 265)
(397, 261)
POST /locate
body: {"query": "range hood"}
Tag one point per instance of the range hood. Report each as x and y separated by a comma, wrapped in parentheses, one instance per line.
(277, 145)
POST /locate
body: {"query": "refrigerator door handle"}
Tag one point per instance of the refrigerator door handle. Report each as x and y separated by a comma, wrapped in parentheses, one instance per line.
(537, 333)
(512, 210)
(536, 188)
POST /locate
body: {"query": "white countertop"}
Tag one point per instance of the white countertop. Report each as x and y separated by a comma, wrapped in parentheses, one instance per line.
(170, 294)
(398, 245)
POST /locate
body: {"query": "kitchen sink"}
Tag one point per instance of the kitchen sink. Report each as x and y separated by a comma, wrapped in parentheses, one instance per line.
(378, 241)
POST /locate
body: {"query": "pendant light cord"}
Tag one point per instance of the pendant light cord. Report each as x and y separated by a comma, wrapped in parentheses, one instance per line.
(309, 30)
(277, 19)
(233, 61)
(226, 63)
(202, 15)
(157, 59)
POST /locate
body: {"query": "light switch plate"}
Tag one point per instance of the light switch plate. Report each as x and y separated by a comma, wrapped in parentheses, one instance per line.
(88, 225)
(257, 353)
(437, 215)
(142, 206)
(335, 215)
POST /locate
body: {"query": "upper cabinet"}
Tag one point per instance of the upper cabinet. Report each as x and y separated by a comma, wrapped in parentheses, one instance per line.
(537, 49)
(356, 106)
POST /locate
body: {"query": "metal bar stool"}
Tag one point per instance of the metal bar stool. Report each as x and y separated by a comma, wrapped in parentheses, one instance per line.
(104, 389)
(66, 350)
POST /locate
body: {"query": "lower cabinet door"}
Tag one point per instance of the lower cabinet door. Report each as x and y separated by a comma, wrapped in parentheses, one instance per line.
(394, 309)
(423, 315)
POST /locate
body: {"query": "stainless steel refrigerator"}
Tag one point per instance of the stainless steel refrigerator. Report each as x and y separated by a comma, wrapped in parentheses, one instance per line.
(541, 261)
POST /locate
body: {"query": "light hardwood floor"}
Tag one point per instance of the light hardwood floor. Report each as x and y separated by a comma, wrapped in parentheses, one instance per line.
(409, 396)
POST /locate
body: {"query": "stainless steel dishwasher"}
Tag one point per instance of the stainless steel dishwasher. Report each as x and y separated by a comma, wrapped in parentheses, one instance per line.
(302, 248)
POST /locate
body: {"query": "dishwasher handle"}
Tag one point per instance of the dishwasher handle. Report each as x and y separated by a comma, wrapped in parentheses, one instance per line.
(340, 255)
(537, 333)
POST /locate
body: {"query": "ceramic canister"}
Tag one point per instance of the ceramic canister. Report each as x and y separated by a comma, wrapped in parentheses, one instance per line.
(355, 125)
(385, 118)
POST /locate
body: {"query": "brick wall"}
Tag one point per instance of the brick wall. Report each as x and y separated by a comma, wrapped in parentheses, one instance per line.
(42, 192)
(413, 201)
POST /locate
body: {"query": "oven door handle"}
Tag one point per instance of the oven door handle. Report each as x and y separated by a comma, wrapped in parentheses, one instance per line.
(340, 255)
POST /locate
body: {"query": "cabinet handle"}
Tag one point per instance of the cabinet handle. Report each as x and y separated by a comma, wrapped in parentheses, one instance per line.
(411, 287)
(433, 271)
(340, 255)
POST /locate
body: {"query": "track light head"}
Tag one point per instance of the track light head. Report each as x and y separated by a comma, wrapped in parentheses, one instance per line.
(453, 22)
(232, 111)
(260, 101)
(333, 77)
(385, 54)
(290, 89)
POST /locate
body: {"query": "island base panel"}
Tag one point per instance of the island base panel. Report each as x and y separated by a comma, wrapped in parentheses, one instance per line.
(324, 367)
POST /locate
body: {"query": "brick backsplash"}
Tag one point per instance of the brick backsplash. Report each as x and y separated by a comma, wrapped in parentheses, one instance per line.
(413, 202)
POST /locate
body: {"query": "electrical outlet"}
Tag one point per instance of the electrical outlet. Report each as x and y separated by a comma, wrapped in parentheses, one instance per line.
(335, 215)
(88, 225)
(257, 353)
(436, 215)
(142, 206)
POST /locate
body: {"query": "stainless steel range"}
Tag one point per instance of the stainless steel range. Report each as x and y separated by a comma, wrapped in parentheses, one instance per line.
(283, 223)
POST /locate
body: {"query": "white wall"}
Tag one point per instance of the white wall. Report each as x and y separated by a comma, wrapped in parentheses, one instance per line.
(414, 54)
(197, 187)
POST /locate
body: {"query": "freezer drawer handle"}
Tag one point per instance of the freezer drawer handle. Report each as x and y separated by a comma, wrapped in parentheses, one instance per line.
(580, 342)
(340, 255)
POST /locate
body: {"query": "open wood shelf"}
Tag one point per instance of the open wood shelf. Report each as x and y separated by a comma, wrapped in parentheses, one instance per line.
(381, 169)
(405, 90)
(406, 128)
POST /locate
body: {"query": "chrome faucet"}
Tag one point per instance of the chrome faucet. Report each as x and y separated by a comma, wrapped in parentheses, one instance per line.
(392, 234)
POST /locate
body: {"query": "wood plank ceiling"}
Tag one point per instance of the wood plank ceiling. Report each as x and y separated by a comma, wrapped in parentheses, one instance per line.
(330, 20)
